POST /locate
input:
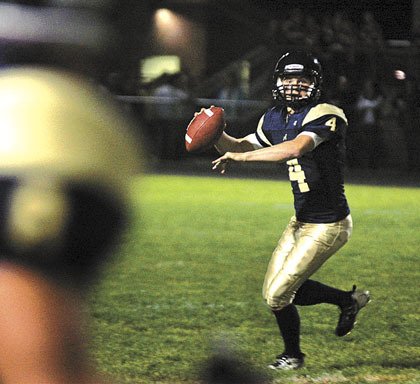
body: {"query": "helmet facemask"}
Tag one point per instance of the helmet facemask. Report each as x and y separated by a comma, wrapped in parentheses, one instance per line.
(294, 95)
(297, 80)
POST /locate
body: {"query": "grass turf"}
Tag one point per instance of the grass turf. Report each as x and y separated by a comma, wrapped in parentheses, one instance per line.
(189, 276)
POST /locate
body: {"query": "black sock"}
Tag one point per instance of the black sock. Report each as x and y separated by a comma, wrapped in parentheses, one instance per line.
(288, 321)
(312, 292)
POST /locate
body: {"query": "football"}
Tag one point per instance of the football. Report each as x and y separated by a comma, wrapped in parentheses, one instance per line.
(205, 129)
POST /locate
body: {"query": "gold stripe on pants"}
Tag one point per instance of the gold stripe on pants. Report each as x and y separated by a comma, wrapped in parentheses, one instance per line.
(300, 252)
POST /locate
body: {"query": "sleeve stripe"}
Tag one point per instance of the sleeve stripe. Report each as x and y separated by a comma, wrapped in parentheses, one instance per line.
(260, 134)
(316, 138)
(253, 139)
(262, 142)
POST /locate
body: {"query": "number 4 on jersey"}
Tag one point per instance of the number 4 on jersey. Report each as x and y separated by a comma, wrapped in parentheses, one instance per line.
(332, 123)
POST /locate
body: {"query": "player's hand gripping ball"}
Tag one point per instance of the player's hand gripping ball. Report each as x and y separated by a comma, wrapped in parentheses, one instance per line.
(205, 129)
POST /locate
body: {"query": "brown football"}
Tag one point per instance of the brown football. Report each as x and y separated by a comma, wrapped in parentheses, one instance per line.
(205, 129)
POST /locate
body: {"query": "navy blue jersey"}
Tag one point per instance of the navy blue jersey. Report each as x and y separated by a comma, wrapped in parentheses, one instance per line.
(316, 177)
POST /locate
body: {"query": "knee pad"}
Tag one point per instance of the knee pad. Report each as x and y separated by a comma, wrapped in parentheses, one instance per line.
(280, 298)
(276, 304)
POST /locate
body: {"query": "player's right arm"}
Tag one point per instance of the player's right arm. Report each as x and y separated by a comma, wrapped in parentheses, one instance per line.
(228, 143)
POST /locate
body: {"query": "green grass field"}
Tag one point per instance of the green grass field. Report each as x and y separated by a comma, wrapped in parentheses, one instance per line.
(191, 270)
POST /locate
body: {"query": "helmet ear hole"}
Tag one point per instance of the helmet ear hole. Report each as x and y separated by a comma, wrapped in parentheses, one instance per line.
(37, 217)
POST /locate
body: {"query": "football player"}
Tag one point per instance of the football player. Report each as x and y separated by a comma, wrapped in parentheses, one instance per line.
(309, 137)
(67, 156)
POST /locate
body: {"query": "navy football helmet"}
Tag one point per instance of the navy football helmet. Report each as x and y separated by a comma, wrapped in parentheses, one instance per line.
(297, 64)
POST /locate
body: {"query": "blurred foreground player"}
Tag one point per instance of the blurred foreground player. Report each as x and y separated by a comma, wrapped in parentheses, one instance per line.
(309, 137)
(66, 160)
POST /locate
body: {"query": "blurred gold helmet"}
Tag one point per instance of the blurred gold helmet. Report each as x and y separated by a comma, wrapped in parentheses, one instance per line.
(67, 157)
(56, 124)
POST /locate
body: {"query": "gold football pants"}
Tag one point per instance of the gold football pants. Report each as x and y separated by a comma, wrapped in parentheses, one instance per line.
(300, 252)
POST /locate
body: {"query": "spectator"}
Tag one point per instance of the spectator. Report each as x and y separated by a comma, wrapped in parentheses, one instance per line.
(327, 48)
(409, 107)
(230, 93)
(392, 112)
(346, 35)
(313, 33)
(369, 136)
(173, 91)
(115, 83)
(294, 28)
(341, 40)
(338, 43)
(274, 33)
(172, 109)
(327, 34)
(371, 44)
(370, 34)
(344, 96)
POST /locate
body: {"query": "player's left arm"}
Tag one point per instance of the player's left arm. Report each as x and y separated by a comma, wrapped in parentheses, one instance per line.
(277, 153)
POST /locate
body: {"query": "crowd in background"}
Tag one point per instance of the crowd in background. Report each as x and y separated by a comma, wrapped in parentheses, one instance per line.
(382, 109)
(336, 38)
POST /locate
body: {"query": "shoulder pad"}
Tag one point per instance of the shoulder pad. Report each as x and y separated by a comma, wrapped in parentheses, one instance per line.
(321, 110)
